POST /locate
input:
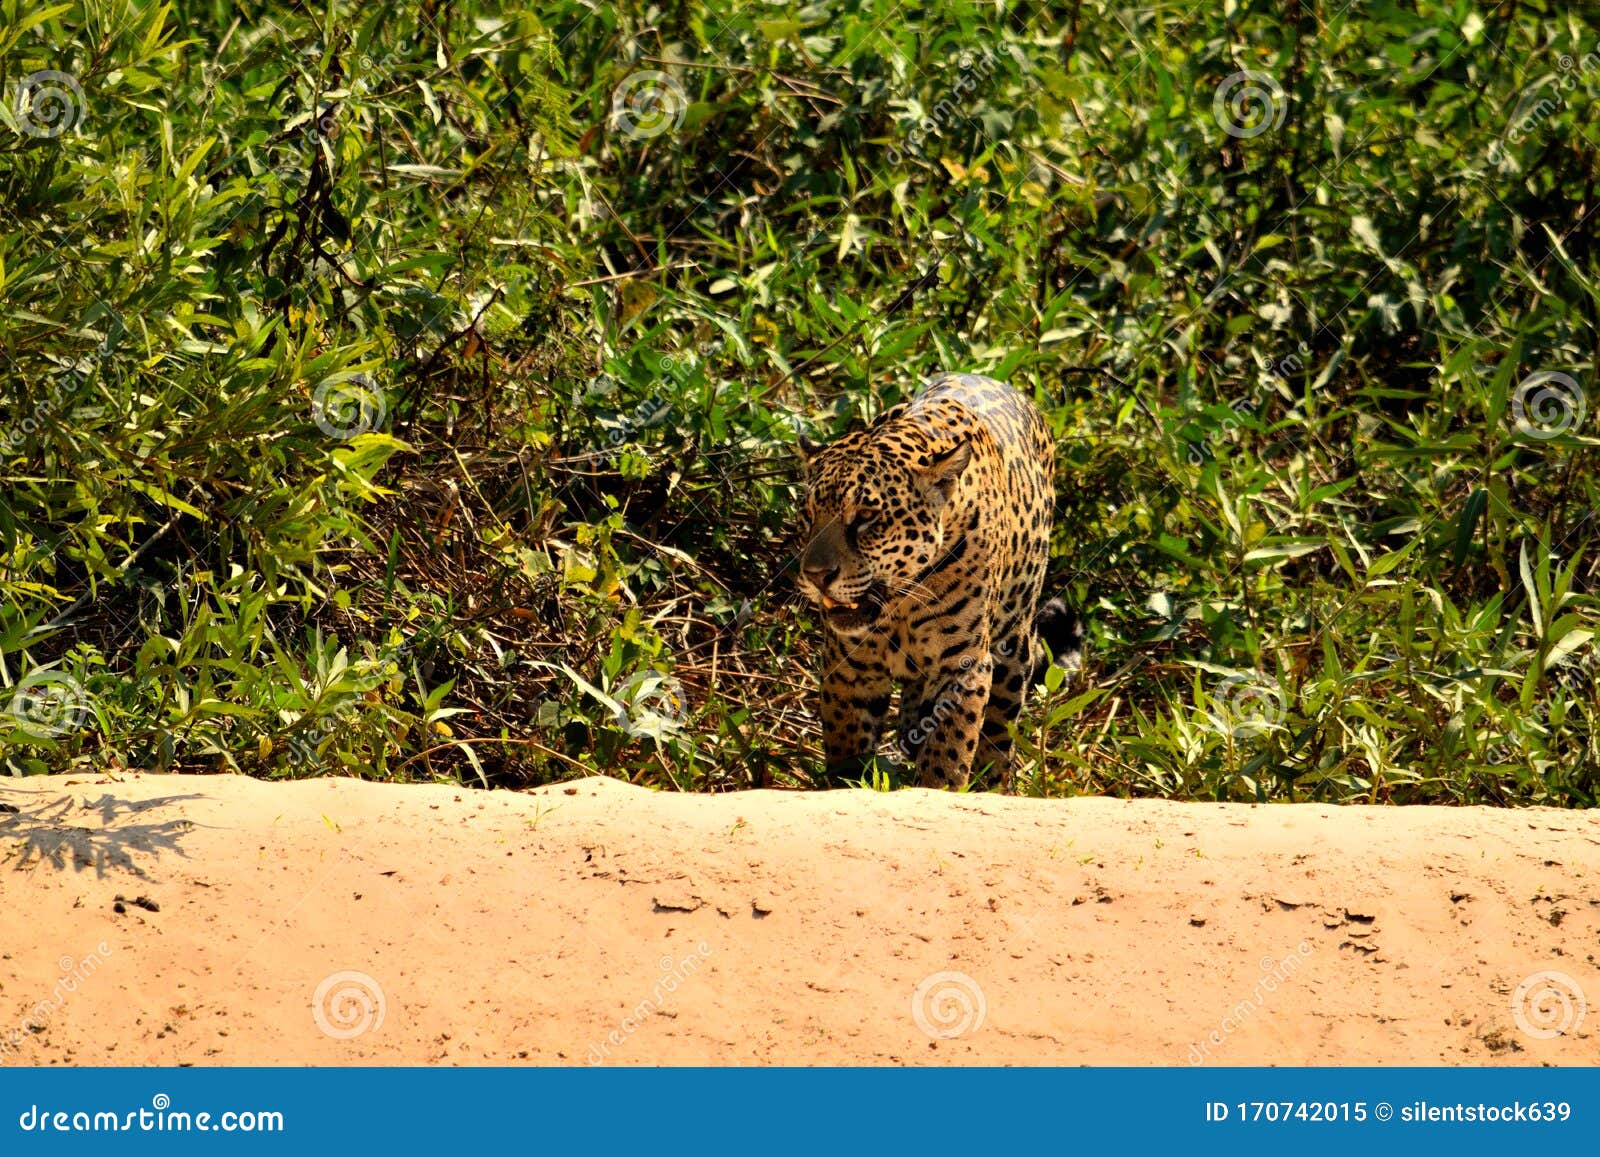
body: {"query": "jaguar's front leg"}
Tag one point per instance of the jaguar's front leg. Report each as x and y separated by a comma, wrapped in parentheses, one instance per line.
(951, 721)
(855, 700)
(1013, 666)
(912, 726)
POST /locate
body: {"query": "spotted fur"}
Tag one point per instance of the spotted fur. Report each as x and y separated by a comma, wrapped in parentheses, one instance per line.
(926, 547)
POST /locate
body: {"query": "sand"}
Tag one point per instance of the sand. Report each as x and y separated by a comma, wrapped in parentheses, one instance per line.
(336, 922)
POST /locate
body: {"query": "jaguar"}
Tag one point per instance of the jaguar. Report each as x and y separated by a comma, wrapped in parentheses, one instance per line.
(926, 542)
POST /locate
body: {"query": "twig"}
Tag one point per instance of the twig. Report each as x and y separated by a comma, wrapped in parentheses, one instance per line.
(625, 274)
(494, 739)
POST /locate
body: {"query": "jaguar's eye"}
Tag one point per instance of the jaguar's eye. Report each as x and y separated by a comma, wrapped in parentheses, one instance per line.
(865, 520)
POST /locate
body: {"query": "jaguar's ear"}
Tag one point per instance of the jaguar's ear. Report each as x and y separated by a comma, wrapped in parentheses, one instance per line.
(945, 467)
(808, 449)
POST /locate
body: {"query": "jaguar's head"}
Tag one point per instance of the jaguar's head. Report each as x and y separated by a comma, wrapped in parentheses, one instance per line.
(877, 505)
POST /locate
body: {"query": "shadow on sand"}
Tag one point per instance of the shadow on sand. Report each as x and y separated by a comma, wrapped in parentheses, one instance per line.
(35, 830)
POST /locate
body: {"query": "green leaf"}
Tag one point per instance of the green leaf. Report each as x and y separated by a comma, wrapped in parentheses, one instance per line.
(166, 498)
(1529, 587)
(431, 100)
(1466, 525)
(1566, 645)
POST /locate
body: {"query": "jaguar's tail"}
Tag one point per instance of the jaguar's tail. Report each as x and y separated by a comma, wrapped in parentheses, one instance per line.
(1061, 632)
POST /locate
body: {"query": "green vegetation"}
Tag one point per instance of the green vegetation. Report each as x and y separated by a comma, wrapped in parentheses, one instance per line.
(409, 389)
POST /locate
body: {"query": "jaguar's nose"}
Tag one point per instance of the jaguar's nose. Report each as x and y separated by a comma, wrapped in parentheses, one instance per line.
(820, 576)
